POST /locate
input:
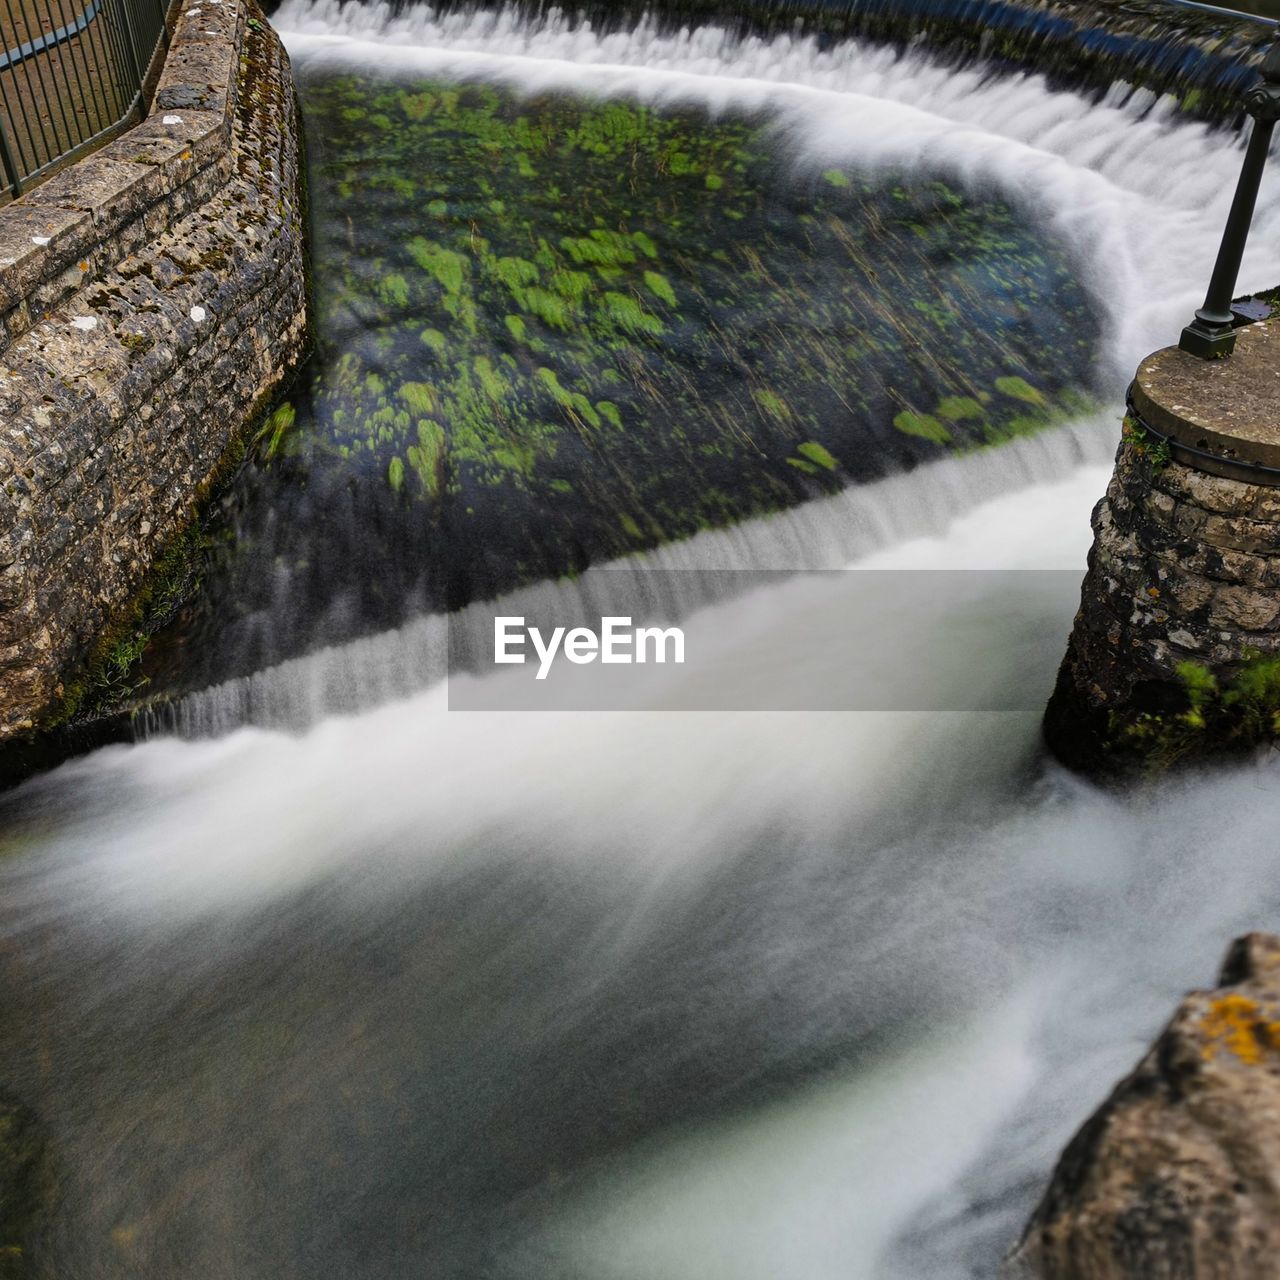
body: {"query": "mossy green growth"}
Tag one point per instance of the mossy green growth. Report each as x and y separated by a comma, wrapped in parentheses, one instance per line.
(1231, 714)
(394, 289)
(812, 450)
(1154, 450)
(577, 405)
(1020, 389)
(419, 396)
(444, 265)
(537, 313)
(624, 312)
(773, 404)
(114, 674)
(275, 430)
(660, 286)
(924, 425)
(959, 409)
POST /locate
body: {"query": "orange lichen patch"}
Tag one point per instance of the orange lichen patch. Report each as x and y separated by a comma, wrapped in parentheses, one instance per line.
(84, 266)
(1235, 1023)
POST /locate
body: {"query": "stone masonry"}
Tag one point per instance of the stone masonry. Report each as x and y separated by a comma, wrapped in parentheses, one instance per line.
(152, 300)
(1185, 565)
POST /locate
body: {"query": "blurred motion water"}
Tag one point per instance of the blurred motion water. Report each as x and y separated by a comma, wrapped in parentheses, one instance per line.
(337, 982)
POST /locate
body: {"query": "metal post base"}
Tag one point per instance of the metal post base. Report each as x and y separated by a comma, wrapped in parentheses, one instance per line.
(1207, 343)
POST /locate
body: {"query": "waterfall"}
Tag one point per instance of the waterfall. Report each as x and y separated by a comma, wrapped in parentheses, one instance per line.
(1135, 191)
(1203, 54)
(830, 534)
(323, 978)
(1138, 191)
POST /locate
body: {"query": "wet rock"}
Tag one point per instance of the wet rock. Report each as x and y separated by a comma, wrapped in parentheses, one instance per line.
(1177, 1175)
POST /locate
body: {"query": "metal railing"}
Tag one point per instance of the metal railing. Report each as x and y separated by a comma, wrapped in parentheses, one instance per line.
(71, 74)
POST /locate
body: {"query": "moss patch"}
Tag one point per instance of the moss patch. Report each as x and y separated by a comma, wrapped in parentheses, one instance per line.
(557, 330)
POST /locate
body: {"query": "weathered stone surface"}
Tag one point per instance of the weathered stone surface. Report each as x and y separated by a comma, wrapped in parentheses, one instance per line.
(1208, 493)
(1177, 1175)
(198, 75)
(36, 243)
(202, 22)
(1226, 407)
(129, 373)
(45, 237)
(110, 191)
(1185, 567)
(180, 148)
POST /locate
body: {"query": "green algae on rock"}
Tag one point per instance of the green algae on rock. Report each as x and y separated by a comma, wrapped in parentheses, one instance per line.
(555, 330)
(672, 337)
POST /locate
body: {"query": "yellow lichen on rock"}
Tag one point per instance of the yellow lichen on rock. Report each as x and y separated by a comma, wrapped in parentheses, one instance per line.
(1235, 1023)
(1177, 1175)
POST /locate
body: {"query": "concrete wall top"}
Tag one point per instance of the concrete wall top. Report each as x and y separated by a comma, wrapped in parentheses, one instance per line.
(1218, 415)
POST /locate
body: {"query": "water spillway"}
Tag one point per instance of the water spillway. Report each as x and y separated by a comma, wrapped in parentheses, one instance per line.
(1202, 54)
(1016, 266)
(336, 981)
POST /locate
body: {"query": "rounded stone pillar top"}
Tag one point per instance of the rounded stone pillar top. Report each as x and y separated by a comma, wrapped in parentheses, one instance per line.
(1221, 416)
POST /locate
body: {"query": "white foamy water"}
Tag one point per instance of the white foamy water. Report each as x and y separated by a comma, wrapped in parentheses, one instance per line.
(832, 1176)
(650, 782)
(905, 522)
(889, 866)
(1136, 194)
(891, 958)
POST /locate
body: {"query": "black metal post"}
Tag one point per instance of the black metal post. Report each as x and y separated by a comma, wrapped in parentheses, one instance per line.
(1212, 334)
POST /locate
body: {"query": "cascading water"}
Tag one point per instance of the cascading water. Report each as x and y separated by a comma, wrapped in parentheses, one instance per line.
(403, 991)
(969, 318)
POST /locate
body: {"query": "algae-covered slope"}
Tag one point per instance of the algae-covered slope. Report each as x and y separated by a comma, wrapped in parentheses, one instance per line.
(554, 330)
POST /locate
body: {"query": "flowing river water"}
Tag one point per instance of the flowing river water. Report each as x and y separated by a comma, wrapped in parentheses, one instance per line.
(325, 979)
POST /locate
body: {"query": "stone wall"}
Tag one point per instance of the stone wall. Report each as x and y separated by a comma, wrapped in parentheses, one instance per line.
(1185, 564)
(152, 300)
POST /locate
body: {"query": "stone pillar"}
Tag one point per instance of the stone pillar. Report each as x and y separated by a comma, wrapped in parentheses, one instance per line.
(1175, 653)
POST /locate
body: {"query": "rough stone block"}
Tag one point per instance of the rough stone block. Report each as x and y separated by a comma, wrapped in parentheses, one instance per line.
(36, 241)
(1266, 505)
(109, 191)
(200, 22)
(1244, 608)
(1241, 534)
(118, 404)
(1209, 493)
(198, 77)
(180, 143)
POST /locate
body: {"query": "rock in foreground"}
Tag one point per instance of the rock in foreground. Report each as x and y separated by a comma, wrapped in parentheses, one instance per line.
(1177, 1175)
